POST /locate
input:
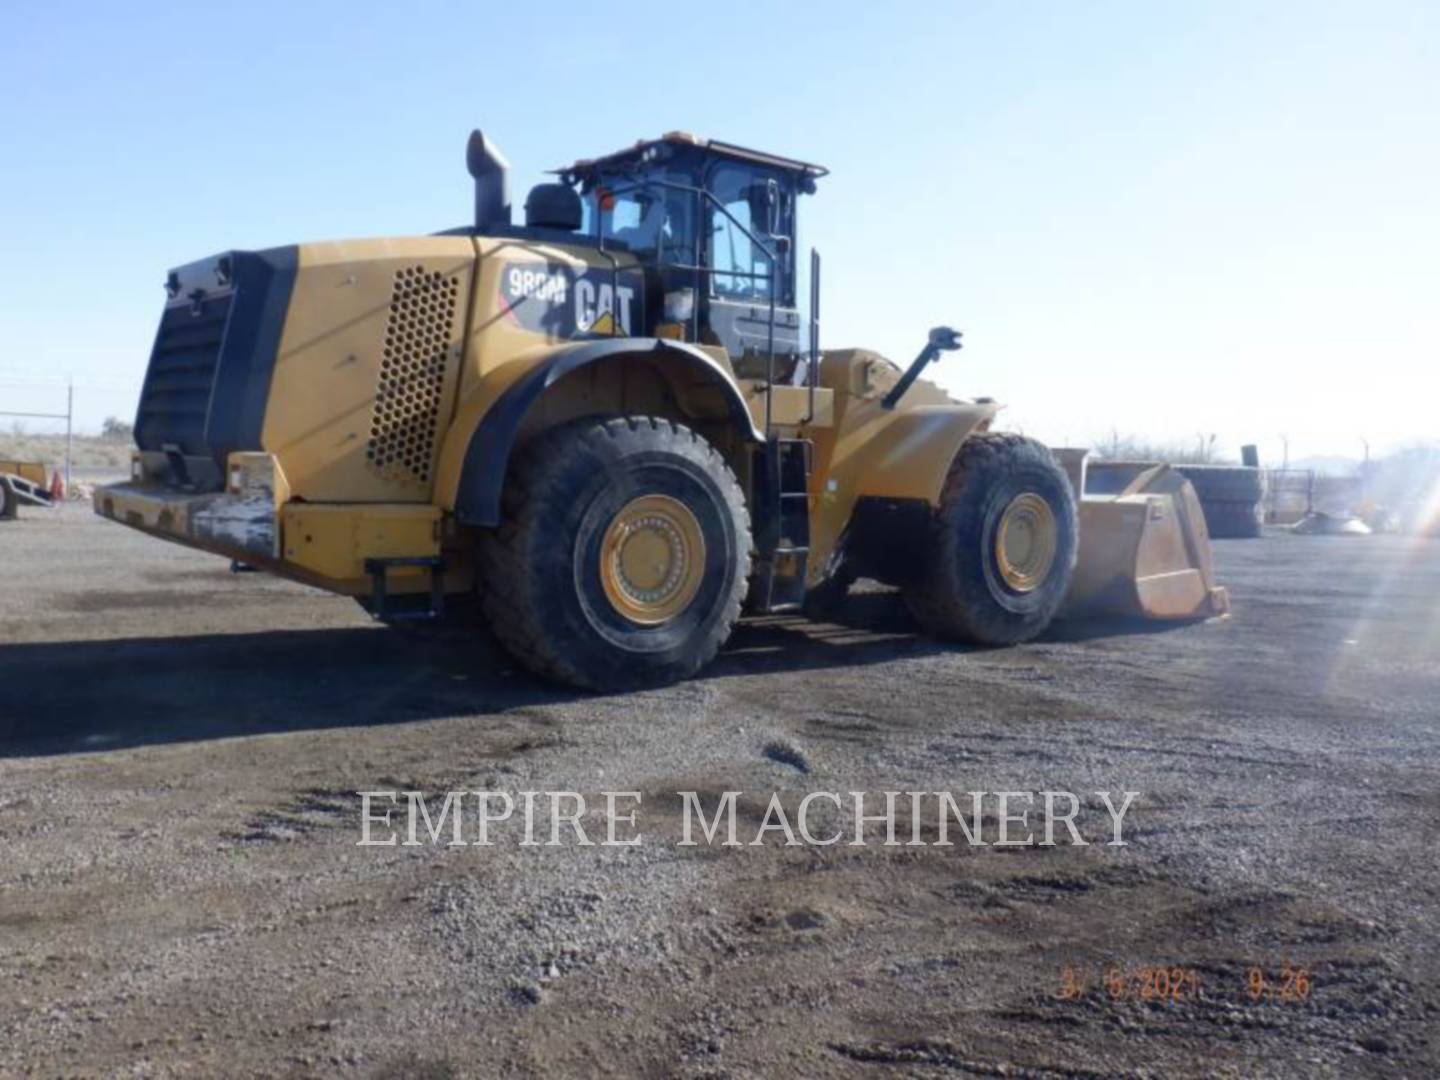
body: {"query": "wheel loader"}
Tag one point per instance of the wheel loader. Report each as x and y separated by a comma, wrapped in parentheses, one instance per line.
(613, 428)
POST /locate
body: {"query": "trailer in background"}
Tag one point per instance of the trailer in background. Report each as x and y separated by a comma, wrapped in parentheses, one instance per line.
(21, 482)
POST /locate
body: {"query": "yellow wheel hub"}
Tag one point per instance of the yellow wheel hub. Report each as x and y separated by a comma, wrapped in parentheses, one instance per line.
(1025, 542)
(652, 559)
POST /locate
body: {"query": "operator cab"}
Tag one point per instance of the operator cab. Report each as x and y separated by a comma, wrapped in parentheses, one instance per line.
(714, 227)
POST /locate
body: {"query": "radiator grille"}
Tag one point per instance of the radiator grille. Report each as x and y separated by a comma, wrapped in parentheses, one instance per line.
(412, 374)
(176, 397)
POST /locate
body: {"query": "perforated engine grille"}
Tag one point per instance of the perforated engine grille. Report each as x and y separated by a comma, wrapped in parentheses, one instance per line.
(412, 374)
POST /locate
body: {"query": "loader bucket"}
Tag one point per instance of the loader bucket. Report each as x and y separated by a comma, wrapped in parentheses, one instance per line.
(1144, 552)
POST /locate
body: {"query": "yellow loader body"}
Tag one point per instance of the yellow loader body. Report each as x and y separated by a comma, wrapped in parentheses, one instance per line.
(386, 418)
(394, 351)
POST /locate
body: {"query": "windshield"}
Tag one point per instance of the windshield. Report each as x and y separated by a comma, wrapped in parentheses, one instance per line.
(654, 215)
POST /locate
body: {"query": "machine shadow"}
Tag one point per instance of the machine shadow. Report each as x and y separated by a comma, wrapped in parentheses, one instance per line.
(83, 696)
(868, 628)
(72, 697)
(1097, 628)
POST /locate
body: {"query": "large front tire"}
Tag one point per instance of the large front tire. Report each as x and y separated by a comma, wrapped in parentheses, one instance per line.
(1002, 545)
(622, 555)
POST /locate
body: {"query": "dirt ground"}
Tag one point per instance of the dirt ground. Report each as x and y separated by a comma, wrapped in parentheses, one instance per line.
(181, 891)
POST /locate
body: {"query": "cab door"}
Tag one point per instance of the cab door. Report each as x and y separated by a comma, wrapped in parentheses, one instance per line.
(753, 210)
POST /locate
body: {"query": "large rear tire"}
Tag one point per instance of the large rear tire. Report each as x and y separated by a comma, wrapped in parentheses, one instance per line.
(1225, 483)
(1002, 544)
(622, 555)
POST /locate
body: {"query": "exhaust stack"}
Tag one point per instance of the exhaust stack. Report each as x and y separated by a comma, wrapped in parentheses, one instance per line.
(492, 181)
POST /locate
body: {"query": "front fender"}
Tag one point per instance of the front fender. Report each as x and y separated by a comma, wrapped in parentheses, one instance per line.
(906, 455)
(476, 454)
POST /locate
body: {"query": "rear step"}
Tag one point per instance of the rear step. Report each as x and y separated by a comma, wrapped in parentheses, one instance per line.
(782, 535)
(381, 603)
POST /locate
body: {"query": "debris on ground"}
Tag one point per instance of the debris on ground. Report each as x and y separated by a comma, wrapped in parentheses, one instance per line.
(1319, 523)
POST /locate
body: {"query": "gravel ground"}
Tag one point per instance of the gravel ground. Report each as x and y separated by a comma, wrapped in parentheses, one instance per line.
(182, 891)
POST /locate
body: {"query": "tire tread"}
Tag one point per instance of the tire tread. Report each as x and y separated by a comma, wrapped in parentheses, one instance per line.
(513, 608)
(939, 599)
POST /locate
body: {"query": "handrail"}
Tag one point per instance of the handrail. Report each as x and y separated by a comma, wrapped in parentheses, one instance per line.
(812, 376)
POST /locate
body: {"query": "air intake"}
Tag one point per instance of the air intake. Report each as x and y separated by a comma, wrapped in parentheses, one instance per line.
(412, 374)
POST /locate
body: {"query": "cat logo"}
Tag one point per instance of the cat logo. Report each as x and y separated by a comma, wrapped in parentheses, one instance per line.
(566, 302)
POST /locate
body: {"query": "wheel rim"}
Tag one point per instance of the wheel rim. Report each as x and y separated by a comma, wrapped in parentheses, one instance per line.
(652, 559)
(1025, 542)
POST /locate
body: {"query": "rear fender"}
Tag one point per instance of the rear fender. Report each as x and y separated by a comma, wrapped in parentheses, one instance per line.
(477, 449)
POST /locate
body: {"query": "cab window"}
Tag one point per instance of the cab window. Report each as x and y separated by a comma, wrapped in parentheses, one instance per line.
(653, 222)
(740, 269)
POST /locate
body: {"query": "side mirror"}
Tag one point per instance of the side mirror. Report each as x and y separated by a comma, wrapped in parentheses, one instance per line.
(942, 337)
(772, 207)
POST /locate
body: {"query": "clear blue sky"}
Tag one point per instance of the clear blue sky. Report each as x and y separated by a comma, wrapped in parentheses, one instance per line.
(1166, 218)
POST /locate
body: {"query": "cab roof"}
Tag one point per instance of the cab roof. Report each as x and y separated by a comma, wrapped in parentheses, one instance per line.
(684, 138)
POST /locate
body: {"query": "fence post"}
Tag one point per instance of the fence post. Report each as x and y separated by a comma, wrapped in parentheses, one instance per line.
(69, 430)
